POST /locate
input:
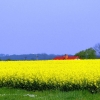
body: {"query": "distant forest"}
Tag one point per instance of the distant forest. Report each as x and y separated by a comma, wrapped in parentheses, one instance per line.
(42, 56)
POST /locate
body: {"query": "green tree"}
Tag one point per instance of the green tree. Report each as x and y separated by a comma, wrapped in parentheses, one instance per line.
(89, 53)
(81, 54)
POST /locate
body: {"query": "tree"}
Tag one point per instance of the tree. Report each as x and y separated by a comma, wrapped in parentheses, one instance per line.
(90, 53)
(87, 54)
(97, 48)
(81, 54)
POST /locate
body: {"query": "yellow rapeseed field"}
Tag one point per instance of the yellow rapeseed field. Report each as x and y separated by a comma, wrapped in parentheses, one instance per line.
(50, 73)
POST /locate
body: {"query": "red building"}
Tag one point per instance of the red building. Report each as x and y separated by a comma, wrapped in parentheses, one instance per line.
(66, 57)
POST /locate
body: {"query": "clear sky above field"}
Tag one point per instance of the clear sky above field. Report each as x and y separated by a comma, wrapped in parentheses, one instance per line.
(48, 26)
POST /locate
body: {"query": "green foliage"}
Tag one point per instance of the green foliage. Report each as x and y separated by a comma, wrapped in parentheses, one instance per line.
(89, 53)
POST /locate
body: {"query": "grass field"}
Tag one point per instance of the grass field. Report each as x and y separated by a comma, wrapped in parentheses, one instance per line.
(16, 94)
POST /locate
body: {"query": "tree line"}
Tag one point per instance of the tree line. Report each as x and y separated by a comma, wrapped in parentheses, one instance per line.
(90, 53)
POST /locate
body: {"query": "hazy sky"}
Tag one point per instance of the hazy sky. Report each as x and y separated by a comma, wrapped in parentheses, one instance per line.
(48, 26)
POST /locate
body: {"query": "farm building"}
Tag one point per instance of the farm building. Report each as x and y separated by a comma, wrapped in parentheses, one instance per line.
(66, 57)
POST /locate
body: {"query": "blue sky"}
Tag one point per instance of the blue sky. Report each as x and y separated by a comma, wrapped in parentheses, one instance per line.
(48, 26)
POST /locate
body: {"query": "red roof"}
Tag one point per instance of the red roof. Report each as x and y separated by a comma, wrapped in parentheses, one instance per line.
(63, 57)
(59, 58)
